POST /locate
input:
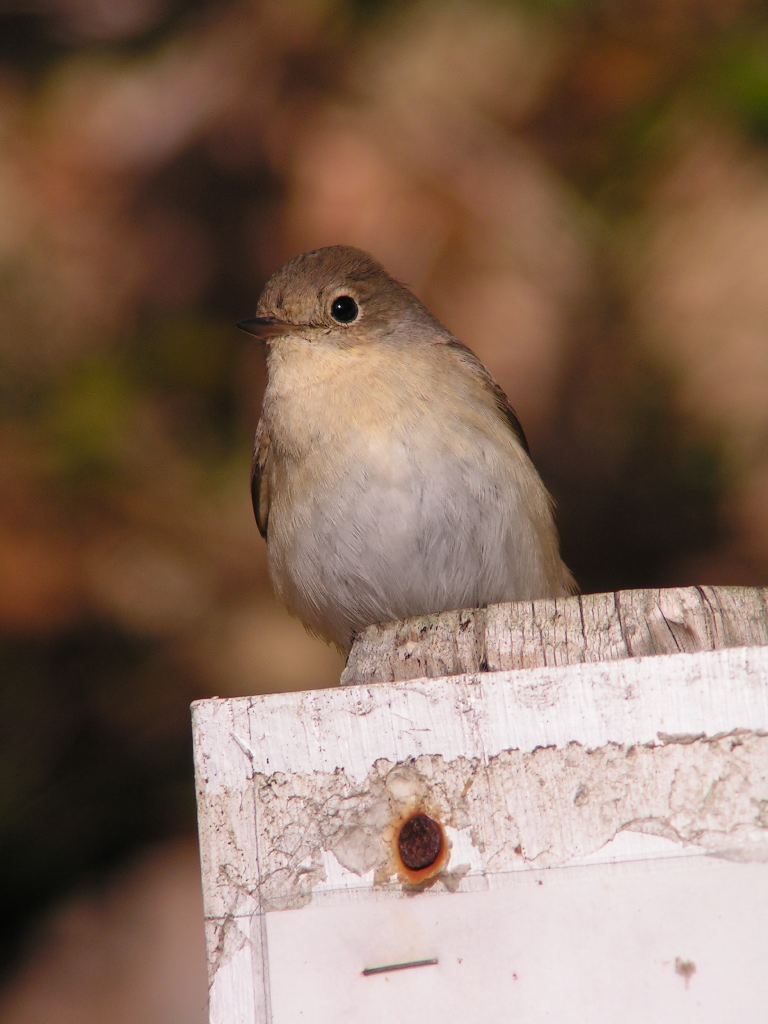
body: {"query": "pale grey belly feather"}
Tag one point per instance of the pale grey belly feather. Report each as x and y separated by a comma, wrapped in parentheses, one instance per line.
(388, 546)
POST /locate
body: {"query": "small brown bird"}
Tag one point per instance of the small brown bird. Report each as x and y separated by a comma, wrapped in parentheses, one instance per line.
(391, 476)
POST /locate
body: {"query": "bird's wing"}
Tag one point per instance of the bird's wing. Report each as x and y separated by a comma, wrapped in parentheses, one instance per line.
(509, 415)
(260, 478)
(499, 397)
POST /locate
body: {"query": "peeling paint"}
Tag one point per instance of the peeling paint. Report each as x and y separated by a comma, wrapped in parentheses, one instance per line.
(646, 778)
(227, 941)
(546, 807)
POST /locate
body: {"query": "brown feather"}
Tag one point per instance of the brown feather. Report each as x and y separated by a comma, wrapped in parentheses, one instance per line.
(260, 479)
(501, 400)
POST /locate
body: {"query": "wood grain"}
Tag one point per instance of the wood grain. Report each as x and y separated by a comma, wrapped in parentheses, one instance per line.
(566, 631)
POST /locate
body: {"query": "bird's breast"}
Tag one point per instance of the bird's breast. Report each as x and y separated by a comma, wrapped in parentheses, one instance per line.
(339, 404)
(396, 493)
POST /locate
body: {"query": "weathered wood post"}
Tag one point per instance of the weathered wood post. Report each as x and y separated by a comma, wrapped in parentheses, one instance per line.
(567, 822)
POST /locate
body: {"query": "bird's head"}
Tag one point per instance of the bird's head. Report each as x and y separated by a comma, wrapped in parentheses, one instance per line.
(337, 297)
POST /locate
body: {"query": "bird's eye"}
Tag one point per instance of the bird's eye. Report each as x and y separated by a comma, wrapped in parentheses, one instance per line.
(344, 309)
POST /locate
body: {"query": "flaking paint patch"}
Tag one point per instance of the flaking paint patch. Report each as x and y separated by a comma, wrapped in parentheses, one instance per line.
(544, 808)
(230, 939)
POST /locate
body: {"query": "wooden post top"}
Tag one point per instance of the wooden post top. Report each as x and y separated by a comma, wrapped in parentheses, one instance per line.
(562, 631)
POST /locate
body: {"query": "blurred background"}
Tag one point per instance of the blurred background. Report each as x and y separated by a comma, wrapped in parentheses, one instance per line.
(578, 189)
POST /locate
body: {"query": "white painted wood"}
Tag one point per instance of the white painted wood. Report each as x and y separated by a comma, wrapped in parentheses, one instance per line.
(633, 942)
(606, 822)
(237, 970)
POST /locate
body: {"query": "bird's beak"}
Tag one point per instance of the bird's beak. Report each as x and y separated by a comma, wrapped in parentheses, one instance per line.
(263, 327)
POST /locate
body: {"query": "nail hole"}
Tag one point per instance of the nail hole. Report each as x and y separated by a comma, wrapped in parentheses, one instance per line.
(420, 842)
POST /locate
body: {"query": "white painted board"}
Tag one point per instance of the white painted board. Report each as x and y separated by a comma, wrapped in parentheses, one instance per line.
(633, 942)
(608, 831)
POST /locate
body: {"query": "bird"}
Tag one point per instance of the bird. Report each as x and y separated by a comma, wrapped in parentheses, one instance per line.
(391, 476)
